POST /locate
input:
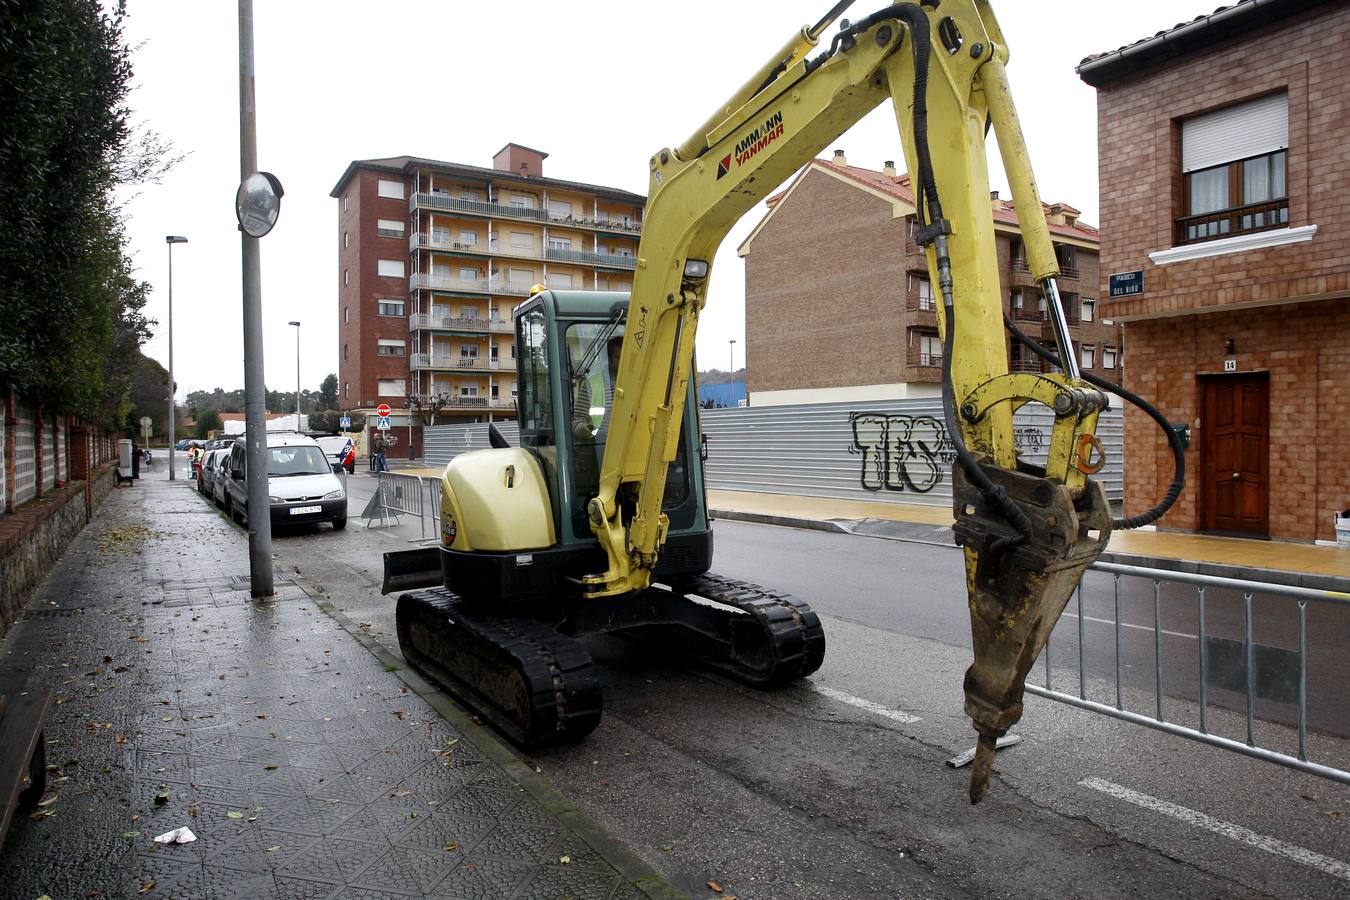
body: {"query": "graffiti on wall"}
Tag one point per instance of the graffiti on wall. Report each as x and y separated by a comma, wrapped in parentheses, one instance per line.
(913, 453)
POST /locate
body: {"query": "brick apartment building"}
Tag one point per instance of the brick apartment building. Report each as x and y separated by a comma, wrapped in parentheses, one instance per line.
(434, 256)
(838, 305)
(1226, 182)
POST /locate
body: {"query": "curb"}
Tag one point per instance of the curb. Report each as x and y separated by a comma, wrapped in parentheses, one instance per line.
(1329, 583)
(631, 867)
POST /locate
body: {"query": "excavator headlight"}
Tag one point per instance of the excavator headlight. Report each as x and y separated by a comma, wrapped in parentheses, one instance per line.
(695, 268)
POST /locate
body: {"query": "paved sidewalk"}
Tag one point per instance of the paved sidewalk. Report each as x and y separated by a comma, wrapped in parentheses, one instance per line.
(304, 764)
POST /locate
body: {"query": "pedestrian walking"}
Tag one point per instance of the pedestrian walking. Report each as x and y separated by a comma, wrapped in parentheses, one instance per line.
(381, 447)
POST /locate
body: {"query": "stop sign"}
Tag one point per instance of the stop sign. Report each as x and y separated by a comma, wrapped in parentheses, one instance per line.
(383, 409)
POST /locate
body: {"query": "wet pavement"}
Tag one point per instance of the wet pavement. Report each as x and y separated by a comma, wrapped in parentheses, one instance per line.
(306, 764)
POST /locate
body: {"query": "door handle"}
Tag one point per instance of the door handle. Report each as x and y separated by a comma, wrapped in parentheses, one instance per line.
(1237, 476)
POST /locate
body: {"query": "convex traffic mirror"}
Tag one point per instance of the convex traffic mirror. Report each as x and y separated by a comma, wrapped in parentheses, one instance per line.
(258, 203)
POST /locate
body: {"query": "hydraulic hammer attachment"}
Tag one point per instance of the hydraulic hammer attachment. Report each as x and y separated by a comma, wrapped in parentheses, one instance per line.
(1018, 590)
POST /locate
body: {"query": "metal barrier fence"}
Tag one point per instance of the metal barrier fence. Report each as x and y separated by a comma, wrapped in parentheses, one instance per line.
(1275, 675)
(397, 494)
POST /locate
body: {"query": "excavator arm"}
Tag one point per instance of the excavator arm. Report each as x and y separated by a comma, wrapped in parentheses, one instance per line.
(1028, 533)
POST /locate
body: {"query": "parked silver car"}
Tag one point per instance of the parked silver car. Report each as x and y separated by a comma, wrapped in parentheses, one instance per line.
(212, 465)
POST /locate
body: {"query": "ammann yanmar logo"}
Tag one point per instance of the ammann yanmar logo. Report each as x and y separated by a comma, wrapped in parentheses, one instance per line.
(752, 143)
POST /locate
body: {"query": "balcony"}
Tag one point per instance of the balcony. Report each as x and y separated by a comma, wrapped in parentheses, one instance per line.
(1228, 222)
(613, 260)
(1026, 314)
(1025, 365)
(1068, 272)
(422, 281)
(459, 323)
(441, 241)
(497, 286)
(449, 363)
(929, 360)
(921, 303)
(447, 203)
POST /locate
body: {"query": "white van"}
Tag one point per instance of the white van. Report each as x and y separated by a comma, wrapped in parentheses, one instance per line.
(300, 482)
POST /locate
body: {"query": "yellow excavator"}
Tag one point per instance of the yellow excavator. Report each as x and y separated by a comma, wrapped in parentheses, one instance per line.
(598, 521)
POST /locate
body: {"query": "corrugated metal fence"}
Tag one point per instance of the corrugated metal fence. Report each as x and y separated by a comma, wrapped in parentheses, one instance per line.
(894, 450)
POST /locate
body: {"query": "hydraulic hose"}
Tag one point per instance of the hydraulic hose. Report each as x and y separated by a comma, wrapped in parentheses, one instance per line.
(1174, 441)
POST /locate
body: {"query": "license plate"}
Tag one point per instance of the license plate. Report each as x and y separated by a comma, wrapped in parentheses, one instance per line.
(305, 510)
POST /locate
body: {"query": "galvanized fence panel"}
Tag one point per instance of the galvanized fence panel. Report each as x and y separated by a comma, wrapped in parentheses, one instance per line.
(893, 450)
(442, 443)
(401, 494)
(48, 453)
(25, 456)
(1276, 675)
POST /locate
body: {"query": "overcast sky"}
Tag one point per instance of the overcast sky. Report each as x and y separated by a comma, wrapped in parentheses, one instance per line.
(598, 86)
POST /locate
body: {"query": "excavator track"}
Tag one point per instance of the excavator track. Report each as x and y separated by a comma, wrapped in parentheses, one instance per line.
(780, 640)
(534, 684)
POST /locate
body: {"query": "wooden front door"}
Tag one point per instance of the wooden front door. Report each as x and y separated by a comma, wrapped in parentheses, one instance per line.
(1236, 454)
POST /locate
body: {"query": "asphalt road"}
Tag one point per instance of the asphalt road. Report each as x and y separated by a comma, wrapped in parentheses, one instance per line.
(836, 786)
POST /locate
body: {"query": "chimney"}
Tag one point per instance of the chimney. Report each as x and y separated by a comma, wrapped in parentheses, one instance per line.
(839, 158)
(520, 160)
(888, 169)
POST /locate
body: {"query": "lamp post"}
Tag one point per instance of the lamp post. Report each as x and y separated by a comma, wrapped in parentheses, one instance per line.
(732, 361)
(172, 239)
(297, 373)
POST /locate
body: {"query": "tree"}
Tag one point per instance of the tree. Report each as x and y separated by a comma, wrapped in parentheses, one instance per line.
(149, 395)
(328, 393)
(69, 301)
(207, 422)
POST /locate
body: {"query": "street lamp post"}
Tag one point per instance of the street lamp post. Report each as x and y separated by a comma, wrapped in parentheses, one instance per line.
(732, 361)
(172, 239)
(297, 373)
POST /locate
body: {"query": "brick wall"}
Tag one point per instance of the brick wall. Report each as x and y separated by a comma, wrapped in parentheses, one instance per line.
(1303, 349)
(825, 291)
(1140, 170)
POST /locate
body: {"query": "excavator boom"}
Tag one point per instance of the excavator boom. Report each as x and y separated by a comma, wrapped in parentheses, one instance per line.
(1028, 533)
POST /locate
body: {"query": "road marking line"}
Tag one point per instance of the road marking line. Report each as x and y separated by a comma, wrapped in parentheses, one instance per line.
(1218, 826)
(895, 715)
(1149, 628)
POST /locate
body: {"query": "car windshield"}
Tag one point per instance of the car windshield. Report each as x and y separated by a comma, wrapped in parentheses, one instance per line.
(301, 460)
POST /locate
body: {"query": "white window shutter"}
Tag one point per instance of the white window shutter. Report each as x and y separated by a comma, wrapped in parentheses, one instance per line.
(1237, 132)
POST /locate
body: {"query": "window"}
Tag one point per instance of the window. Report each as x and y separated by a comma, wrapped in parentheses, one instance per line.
(1015, 304)
(392, 387)
(522, 239)
(346, 278)
(560, 208)
(925, 348)
(468, 238)
(1087, 355)
(493, 351)
(347, 389)
(624, 252)
(344, 352)
(346, 315)
(559, 243)
(391, 348)
(391, 307)
(390, 268)
(391, 189)
(1073, 309)
(468, 273)
(468, 351)
(560, 280)
(468, 390)
(494, 392)
(389, 227)
(471, 196)
(925, 294)
(346, 239)
(346, 202)
(520, 276)
(1108, 357)
(1233, 170)
(1089, 309)
(522, 201)
(470, 312)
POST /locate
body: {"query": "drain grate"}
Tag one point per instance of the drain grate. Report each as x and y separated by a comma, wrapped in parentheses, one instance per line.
(243, 581)
(52, 612)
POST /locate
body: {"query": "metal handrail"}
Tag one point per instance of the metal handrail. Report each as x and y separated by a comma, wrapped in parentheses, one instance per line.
(1236, 220)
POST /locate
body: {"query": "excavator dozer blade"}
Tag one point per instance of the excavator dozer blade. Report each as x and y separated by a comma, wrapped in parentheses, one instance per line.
(405, 570)
(1017, 595)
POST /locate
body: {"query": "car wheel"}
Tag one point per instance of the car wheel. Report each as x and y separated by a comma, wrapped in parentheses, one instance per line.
(340, 523)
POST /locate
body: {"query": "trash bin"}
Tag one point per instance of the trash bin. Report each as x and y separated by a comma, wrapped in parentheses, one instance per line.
(1343, 527)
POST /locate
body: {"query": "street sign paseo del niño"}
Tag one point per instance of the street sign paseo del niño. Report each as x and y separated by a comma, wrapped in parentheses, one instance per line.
(1125, 284)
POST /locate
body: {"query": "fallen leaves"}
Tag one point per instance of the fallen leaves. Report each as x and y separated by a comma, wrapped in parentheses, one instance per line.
(451, 847)
(714, 887)
(147, 887)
